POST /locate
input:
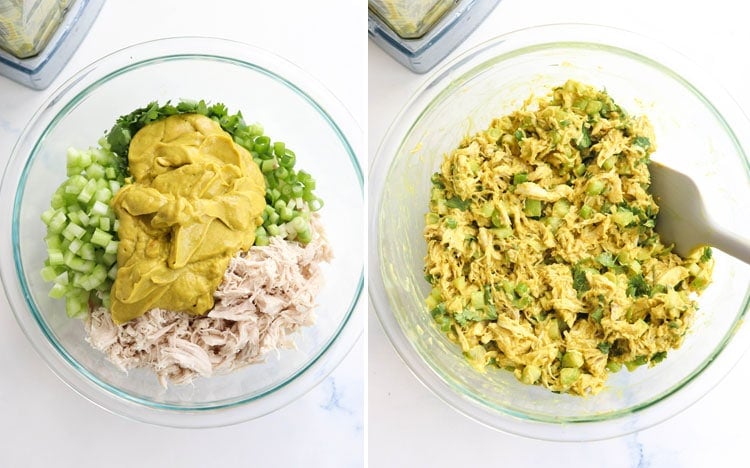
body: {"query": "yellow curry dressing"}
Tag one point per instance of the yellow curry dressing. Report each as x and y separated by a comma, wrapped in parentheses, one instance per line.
(195, 201)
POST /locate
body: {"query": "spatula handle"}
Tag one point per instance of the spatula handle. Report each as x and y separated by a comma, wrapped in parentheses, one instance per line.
(732, 244)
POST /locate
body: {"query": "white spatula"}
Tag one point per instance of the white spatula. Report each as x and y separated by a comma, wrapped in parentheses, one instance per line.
(683, 220)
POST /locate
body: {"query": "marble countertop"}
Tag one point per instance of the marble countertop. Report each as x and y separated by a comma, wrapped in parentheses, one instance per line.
(44, 423)
(410, 426)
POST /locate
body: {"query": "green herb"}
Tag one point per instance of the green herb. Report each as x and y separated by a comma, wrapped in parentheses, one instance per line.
(456, 202)
(585, 140)
(642, 141)
(438, 310)
(437, 180)
(637, 286)
(597, 314)
(706, 255)
(580, 283)
(467, 315)
(658, 357)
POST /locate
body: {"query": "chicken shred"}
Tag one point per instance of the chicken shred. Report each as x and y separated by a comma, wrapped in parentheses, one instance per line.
(267, 295)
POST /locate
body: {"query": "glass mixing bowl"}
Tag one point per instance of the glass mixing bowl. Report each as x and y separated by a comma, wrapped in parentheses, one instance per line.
(699, 131)
(292, 107)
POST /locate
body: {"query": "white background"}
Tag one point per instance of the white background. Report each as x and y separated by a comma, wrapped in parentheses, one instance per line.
(45, 424)
(409, 426)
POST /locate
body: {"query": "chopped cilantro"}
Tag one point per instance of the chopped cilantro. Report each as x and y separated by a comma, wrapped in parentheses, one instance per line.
(580, 283)
(467, 315)
(637, 286)
(597, 314)
(585, 140)
(437, 180)
(456, 202)
(642, 141)
(438, 310)
(658, 357)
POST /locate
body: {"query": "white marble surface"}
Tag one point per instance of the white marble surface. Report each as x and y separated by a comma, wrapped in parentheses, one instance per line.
(45, 424)
(409, 426)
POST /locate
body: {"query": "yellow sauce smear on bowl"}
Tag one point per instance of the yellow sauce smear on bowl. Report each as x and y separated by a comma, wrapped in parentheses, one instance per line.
(195, 201)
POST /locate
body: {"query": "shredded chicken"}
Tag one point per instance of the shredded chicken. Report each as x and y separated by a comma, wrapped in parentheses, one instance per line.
(542, 252)
(266, 295)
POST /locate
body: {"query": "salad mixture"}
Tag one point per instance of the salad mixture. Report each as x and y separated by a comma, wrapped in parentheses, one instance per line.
(187, 241)
(541, 248)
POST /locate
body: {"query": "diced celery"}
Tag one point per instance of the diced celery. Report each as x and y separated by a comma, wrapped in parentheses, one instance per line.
(533, 208)
(49, 273)
(95, 171)
(76, 305)
(103, 194)
(57, 223)
(47, 215)
(595, 187)
(52, 241)
(62, 278)
(75, 245)
(477, 299)
(55, 257)
(87, 252)
(87, 192)
(73, 231)
(83, 218)
(530, 374)
(572, 358)
(569, 375)
(58, 291)
(623, 217)
(100, 208)
(560, 208)
(111, 247)
(109, 258)
(114, 186)
(100, 237)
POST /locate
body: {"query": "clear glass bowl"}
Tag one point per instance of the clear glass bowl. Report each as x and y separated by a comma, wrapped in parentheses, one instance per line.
(699, 130)
(292, 107)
